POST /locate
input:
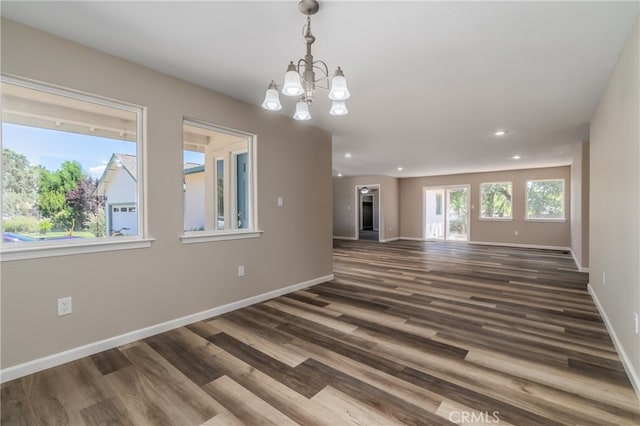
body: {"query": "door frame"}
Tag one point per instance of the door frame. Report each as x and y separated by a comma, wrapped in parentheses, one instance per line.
(358, 209)
(445, 209)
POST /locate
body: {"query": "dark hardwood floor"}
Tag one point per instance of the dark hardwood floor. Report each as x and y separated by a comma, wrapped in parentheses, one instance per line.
(407, 333)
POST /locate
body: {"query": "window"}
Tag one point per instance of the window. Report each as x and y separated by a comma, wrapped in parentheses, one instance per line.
(545, 199)
(218, 185)
(70, 165)
(495, 200)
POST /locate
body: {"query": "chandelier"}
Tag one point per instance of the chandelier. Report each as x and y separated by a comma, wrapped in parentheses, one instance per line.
(300, 79)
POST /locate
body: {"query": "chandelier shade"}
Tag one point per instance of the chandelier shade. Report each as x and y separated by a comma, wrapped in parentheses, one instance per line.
(292, 82)
(272, 99)
(300, 79)
(338, 108)
(302, 111)
(339, 90)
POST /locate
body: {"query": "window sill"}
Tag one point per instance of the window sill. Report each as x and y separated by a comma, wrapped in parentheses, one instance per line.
(496, 219)
(526, 219)
(204, 237)
(37, 250)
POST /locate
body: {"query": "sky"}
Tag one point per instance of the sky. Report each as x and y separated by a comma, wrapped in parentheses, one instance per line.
(50, 148)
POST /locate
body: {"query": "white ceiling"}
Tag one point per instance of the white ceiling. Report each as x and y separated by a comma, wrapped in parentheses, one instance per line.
(430, 81)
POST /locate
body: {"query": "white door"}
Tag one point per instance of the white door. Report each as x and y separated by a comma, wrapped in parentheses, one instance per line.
(446, 213)
(124, 219)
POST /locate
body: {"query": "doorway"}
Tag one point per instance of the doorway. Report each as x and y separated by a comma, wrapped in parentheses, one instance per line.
(446, 214)
(368, 212)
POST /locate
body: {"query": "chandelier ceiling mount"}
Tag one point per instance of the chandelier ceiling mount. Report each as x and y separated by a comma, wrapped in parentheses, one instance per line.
(300, 79)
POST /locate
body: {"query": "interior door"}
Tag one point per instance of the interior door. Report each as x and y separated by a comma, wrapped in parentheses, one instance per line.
(367, 213)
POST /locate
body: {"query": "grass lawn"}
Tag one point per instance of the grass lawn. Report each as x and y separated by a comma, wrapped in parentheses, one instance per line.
(80, 234)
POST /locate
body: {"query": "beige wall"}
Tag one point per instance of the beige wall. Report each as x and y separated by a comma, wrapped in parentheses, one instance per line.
(345, 205)
(556, 234)
(580, 204)
(120, 291)
(615, 201)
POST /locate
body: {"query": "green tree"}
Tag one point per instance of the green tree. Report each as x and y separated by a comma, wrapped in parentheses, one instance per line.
(545, 199)
(53, 188)
(19, 185)
(95, 222)
(496, 199)
(44, 226)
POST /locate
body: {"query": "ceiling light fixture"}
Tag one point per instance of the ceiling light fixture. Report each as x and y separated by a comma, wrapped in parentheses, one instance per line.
(364, 190)
(516, 157)
(400, 169)
(500, 132)
(347, 155)
(300, 79)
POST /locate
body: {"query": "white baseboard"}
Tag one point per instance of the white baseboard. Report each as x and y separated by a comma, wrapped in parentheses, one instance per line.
(388, 240)
(344, 238)
(633, 375)
(491, 243)
(533, 246)
(411, 238)
(49, 361)
(580, 267)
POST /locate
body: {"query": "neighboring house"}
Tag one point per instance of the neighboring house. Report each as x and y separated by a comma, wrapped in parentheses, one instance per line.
(118, 185)
(194, 197)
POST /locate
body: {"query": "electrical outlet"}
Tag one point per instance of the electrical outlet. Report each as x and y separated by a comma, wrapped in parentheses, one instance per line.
(280, 201)
(635, 319)
(64, 306)
(515, 233)
(241, 271)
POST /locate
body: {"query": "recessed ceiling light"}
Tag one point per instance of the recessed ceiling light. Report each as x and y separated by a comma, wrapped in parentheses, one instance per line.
(400, 169)
(500, 132)
(347, 155)
(516, 157)
(339, 174)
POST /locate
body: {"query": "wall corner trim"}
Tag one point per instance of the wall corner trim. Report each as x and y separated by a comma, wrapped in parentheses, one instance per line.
(634, 376)
(73, 354)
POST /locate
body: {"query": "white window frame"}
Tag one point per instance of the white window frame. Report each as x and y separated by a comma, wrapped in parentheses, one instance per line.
(81, 246)
(542, 219)
(498, 219)
(234, 185)
(231, 234)
(216, 210)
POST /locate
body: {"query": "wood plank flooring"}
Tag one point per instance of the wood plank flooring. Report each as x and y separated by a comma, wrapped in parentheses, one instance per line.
(407, 333)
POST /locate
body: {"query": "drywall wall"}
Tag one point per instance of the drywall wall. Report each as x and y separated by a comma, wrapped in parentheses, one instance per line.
(120, 291)
(614, 249)
(345, 205)
(580, 205)
(556, 234)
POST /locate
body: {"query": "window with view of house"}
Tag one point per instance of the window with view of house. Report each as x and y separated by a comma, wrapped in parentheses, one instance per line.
(545, 199)
(70, 166)
(495, 200)
(218, 190)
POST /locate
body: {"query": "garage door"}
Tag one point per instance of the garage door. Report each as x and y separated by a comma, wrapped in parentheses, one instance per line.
(124, 218)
